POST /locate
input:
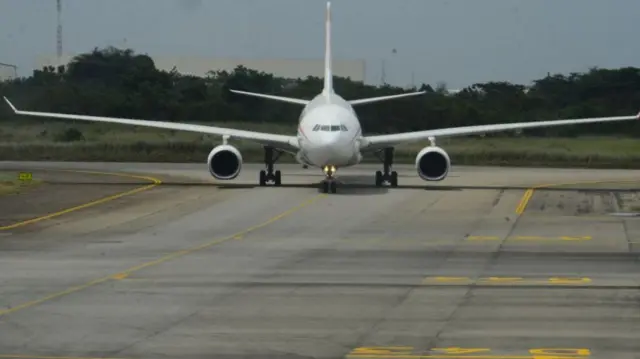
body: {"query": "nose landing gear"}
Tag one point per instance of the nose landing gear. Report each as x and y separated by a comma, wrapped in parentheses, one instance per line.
(329, 182)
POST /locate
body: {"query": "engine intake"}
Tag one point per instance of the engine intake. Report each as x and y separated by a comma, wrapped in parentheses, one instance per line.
(224, 162)
(433, 163)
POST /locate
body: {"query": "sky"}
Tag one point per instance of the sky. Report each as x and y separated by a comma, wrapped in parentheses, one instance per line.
(458, 42)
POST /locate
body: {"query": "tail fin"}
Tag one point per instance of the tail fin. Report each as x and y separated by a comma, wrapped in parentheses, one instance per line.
(328, 70)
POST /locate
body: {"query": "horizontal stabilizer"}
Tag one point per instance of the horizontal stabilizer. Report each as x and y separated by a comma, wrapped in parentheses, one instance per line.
(383, 98)
(272, 97)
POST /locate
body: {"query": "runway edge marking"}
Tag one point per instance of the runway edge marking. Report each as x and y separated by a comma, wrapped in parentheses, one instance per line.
(524, 201)
(155, 182)
(125, 273)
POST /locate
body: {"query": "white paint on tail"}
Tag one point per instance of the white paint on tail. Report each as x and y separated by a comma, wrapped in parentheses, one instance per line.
(328, 70)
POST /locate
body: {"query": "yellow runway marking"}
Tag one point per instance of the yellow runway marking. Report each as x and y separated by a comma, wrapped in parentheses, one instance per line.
(126, 273)
(502, 279)
(531, 238)
(561, 280)
(451, 279)
(508, 280)
(466, 353)
(92, 203)
(524, 201)
(120, 276)
(454, 356)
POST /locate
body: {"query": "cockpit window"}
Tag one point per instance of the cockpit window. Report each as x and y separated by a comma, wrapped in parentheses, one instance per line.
(330, 128)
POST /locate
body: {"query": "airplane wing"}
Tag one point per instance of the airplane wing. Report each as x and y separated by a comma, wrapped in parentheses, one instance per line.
(381, 141)
(283, 142)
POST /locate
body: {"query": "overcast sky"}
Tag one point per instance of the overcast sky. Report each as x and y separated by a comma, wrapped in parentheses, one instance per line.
(460, 42)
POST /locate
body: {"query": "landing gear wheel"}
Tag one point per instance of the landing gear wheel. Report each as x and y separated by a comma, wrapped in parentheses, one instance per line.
(329, 186)
(387, 175)
(394, 179)
(263, 178)
(378, 178)
(269, 175)
(278, 178)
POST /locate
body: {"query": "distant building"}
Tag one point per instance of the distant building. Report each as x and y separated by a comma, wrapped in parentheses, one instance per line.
(287, 68)
(7, 72)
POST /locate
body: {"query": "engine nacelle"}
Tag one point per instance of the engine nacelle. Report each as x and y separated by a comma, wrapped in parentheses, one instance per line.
(224, 162)
(433, 163)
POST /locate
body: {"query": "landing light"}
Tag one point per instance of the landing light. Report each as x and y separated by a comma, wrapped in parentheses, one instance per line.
(329, 169)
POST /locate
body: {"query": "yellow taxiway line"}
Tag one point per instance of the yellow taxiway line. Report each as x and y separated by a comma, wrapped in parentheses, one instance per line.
(155, 182)
(524, 201)
(125, 273)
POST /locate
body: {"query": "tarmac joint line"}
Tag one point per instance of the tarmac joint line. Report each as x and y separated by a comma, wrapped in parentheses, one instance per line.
(127, 272)
(155, 182)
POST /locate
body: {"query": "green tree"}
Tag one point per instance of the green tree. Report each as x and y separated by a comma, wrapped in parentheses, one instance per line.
(119, 82)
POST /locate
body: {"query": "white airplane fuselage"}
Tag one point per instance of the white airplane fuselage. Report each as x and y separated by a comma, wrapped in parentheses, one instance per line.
(328, 133)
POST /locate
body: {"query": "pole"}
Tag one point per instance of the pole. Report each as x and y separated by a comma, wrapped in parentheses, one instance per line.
(14, 67)
(59, 32)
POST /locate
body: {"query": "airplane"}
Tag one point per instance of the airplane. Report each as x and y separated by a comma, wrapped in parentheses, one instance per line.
(329, 135)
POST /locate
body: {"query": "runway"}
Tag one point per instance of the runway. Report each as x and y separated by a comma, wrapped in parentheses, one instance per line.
(188, 268)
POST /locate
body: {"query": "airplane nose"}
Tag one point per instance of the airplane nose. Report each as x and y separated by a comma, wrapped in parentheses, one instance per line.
(325, 149)
(324, 141)
(329, 139)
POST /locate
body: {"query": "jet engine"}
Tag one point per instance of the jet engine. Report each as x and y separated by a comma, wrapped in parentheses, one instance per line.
(224, 162)
(433, 163)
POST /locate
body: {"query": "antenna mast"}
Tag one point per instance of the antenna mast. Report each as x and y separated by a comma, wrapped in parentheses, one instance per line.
(59, 32)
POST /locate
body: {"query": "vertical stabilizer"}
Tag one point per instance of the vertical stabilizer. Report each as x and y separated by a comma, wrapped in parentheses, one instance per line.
(328, 72)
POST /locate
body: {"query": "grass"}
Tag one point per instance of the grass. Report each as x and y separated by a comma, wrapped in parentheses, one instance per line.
(30, 139)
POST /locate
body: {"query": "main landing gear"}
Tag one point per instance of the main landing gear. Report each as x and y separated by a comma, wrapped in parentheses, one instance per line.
(269, 175)
(329, 182)
(390, 177)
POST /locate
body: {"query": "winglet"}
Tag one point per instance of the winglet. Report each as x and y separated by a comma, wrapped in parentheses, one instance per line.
(638, 115)
(10, 104)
